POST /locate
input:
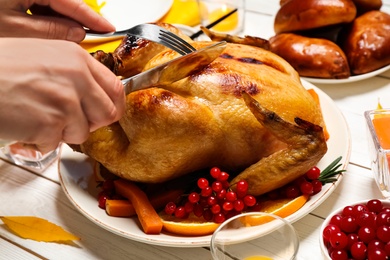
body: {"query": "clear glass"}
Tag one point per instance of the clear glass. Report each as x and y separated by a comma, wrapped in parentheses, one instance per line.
(380, 157)
(24, 156)
(255, 236)
(212, 10)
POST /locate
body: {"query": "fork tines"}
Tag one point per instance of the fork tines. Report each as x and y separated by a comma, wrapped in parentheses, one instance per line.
(183, 47)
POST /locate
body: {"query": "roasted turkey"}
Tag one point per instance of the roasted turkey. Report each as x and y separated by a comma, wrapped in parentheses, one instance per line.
(247, 112)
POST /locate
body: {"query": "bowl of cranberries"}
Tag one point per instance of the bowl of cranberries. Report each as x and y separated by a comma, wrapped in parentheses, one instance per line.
(359, 231)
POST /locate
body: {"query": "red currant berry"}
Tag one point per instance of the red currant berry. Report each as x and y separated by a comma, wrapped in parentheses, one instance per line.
(329, 230)
(383, 233)
(217, 186)
(211, 201)
(366, 219)
(339, 255)
(207, 215)
(222, 194)
(214, 172)
(249, 200)
(347, 211)
(306, 188)
(180, 212)
(336, 220)
(348, 224)
(223, 176)
(225, 184)
(203, 183)
(231, 196)
(170, 208)
(219, 218)
(317, 186)
(313, 173)
(242, 187)
(227, 205)
(193, 197)
(239, 205)
(352, 239)
(383, 218)
(375, 205)
(292, 191)
(374, 244)
(387, 248)
(377, 254)
(359, 251)
(189, 207)
(366, 234)
(357, 209)
(198, 210)
(215, 209)
(338, 240)
(207, 191)
(102, 201)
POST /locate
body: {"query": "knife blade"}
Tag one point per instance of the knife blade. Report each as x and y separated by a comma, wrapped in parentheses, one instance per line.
(175, 69)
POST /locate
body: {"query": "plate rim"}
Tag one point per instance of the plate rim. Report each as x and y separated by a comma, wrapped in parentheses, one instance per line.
(97, 39)
(201, 241)
(350, 79)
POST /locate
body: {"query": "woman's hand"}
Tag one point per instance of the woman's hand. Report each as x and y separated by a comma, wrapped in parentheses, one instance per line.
(53, 94)
(54, 19)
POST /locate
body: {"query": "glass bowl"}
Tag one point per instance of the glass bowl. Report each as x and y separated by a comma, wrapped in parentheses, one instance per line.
(378, 130)
(255, 236)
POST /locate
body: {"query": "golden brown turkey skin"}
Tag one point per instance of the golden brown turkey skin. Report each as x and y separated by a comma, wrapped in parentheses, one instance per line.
(130, 57)
(202, 121)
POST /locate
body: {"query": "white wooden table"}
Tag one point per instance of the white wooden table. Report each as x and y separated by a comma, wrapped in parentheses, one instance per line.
(25, 192)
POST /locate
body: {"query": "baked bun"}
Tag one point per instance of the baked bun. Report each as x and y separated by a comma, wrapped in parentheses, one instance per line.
(298, 15)
(364, 6)
(367, 44)
(311, 57)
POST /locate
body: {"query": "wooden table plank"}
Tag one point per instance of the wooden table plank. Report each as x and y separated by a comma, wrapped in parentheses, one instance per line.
(37, 196)
(9, 250)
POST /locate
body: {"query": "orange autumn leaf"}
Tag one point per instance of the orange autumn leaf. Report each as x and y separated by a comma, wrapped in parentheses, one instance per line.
(37, 229)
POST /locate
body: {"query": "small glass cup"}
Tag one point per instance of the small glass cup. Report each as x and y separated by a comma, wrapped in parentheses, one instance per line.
(212, 10)
(23, 155)
(378, 125)
(255, 236)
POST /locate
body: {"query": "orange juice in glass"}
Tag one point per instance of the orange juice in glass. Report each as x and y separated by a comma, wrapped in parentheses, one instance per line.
(212, 10)
(378, 124)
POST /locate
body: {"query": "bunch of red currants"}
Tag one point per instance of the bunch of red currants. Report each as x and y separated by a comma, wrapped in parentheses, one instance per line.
(214, 201)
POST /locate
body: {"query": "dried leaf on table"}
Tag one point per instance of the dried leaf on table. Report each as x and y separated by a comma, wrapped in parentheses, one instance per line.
(37, 229)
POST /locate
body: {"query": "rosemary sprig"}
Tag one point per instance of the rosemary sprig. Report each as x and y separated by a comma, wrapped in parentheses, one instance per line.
(328, 174)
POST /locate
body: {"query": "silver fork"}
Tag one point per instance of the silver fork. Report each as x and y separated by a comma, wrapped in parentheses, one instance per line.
(153, 33)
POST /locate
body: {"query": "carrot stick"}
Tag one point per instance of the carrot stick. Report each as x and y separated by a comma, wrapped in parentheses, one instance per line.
(314, 95)
(120, 208)
(124, 208)
(147, 215)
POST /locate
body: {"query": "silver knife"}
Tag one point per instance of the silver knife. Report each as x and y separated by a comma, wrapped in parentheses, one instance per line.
(175, 69)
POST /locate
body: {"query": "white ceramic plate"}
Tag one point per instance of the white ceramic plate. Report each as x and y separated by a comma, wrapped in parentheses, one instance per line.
(350, 79)
(126, 14)
(75, 171)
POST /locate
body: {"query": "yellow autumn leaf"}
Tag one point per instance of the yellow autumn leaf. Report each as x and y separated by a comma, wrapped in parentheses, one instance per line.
(37, 229)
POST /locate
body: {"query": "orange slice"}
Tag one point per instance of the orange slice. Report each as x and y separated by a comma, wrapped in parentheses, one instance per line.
(192, 226)
(280, 207)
